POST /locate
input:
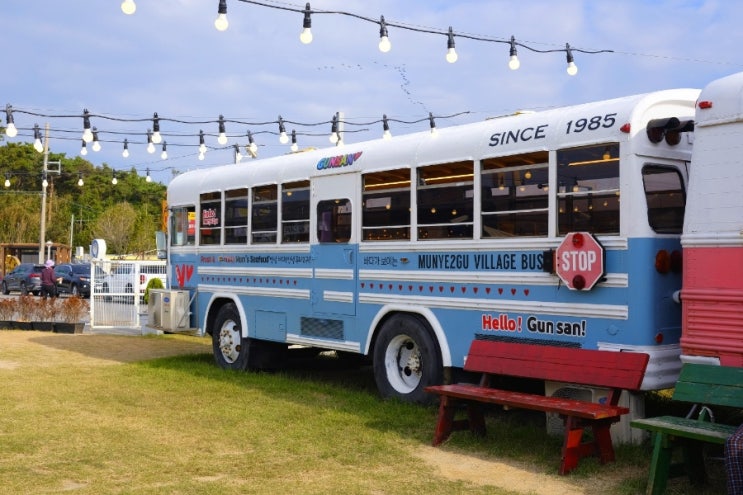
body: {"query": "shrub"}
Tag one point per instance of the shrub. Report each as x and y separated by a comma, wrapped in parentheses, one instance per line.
(72, 310)
(154, 283)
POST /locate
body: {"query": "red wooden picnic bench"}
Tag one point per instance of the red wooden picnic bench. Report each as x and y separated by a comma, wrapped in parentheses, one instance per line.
(615, 371)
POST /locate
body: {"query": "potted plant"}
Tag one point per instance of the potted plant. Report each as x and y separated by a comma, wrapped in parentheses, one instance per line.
(25, 312)
(43, 315)
(7, 312)
(70, 315)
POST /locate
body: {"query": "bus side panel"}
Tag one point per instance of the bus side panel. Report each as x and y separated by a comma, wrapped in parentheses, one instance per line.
(712, 301)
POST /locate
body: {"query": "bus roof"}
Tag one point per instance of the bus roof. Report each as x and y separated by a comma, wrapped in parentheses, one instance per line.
(501, 136)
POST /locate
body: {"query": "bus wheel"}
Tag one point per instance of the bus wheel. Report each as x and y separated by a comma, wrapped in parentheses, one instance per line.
(406, 360)
(230, 349)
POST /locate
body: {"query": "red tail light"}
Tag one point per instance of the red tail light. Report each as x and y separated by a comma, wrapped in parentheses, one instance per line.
(662, 261)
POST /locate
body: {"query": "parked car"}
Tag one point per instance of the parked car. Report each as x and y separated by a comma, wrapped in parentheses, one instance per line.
(25, 278)
(73, 279)
(121, 279)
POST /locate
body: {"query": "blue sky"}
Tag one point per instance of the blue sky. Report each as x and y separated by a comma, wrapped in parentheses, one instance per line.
(61, 57)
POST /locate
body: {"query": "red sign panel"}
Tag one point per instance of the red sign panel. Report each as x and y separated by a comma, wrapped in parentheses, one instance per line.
(580, 261)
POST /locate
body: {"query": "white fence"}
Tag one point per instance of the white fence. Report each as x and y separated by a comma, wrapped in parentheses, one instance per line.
(117, 290)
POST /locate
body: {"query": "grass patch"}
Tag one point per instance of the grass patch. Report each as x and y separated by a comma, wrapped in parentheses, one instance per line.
(182, 425)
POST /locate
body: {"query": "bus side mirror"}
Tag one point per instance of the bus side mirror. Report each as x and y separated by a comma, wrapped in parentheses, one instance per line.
(161, 245)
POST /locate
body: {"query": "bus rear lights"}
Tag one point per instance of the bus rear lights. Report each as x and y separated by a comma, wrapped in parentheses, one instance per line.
(704, 104)
(658, 338)
(666, 262)
(626, 128)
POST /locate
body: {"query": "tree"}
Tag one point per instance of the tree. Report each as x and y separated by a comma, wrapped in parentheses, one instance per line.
(116, 226)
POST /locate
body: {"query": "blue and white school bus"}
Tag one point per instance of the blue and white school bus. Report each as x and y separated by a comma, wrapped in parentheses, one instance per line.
(405, 250)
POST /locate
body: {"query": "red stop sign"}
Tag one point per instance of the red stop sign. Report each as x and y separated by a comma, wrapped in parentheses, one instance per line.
(580, 261)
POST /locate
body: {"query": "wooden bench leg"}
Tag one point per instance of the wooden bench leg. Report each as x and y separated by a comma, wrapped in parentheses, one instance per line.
(476, 419)
(659, 464)
(571, 446)
(445, 420)
(602, 439)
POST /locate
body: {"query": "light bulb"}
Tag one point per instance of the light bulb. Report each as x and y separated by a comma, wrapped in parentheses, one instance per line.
(386, 134)
(253, 148)
(38, 146)
(164, 155)
(125, 153)
(150, 147)
(572, 69)
(294, 147)
(222, 138)
(80, 182)
(221, 23)
(333, 138)
(201, 155)
(384, 44)
(114, 181)
(96, 146)
(44, 183)
(202, 149)
(514, 63)
(11, 130)
(7, 182)
(84, 149)
(306, 36)
(128, 7)
(283, 138)
(148, 178)
(451, 55)
(157, 137)
(87, 135)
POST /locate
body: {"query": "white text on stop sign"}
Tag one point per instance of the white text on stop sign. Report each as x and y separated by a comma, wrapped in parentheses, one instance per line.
(581, 261)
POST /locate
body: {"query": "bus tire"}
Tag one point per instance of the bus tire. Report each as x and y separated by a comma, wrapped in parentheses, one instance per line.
(229, 347)
(406, 359)
(235, 352)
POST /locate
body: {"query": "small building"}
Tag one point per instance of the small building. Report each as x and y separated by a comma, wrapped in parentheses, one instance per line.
(13, 254)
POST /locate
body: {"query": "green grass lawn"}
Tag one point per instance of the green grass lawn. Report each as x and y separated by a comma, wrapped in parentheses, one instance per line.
(183, 426)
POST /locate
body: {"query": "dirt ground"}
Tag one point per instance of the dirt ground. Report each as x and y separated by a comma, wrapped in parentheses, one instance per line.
(20, 349)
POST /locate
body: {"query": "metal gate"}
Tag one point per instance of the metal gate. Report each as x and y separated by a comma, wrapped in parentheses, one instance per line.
(117, 290)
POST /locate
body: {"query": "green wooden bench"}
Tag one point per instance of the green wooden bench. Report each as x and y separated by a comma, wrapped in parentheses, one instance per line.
(703, 385)
(615, 371)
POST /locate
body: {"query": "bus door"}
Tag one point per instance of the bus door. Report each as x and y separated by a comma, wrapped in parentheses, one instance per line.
(334, 249)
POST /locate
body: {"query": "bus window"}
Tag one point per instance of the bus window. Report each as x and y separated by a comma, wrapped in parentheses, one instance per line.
(334, 220)
(588, 189)
(211, 218)
(183, 226)
(664, 192)
(236, 216)
(445, 197)
(386, 215)
(264, 215)
(295, 212)
(514, 195)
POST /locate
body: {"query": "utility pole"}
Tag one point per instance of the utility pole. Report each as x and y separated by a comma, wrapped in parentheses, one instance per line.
(44, 183)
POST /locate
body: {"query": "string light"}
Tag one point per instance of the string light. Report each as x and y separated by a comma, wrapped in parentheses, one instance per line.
(7, 180)
(334, 129)
(294, 146)
(114, 180)
(384, 40)
(238, 155)
(221, 22)
(222, 138)
(80, 181)
(451, 53)
(513, 61)
(432, 124)
(84, 149)
(386, 134)
(202, 145)
(283, 138)
(44, 182)
(128, 7)
(150, 146)
(38, 146)
(156, 137)
(96, 143)
(148, 178)
(87, 134)
(251, 148)
(306, 35)
(125, 153)
(10, 129)
(572, 68)
(164, 154)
